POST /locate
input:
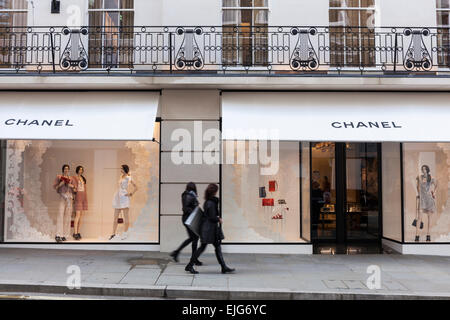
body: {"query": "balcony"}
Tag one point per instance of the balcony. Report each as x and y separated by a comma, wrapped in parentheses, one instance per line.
(226, 51)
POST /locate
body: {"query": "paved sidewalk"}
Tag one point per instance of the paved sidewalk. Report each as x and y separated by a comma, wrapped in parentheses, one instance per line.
(258, 276)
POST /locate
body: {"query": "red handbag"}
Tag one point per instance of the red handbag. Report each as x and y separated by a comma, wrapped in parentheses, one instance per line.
(267, 202)
(72, 224)
(120, 220)
(273, 185)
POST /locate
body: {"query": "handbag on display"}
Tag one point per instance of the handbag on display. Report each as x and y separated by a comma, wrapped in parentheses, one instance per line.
(262, 192)
(194, 221)
(268, 202)
(120, 220)
(281, 201)
(273, 185)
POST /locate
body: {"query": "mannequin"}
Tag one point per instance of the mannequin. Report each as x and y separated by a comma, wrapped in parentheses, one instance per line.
(64, 186)
(121, 200)
(81, 203)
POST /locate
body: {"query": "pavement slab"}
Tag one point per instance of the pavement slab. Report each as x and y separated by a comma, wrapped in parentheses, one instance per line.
(258, 276)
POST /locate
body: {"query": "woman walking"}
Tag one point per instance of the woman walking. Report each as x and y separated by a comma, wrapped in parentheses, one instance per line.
(211, 230)
(189, 202)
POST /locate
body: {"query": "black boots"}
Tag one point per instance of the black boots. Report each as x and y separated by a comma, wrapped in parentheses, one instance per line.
(417, 239)
(428, 238)
(219, 257)
(174, 255)
(190, 268)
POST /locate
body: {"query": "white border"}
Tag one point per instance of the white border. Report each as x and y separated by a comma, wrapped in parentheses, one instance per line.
(419, 249)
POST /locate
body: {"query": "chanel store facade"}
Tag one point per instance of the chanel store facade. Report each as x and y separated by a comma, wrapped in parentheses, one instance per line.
(299, 172)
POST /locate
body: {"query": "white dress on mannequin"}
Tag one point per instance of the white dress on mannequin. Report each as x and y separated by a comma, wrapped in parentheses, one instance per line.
(121, 200)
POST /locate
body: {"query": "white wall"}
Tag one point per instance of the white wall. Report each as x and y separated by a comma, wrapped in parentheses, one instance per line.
(298, 13)
(406, 13)
(209, 12)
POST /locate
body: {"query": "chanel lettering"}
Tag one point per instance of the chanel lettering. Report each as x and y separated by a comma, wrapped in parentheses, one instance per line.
(40, 123)
(368, 125)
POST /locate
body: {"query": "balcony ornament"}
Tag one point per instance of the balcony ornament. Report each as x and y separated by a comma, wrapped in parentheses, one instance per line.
(74, 55)
(189, 55)
(304, 57)
(417, 56)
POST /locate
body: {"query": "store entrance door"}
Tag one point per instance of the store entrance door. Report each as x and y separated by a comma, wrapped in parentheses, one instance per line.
(345, 197)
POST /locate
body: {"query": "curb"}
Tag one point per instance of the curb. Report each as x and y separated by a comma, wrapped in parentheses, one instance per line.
(183, 292)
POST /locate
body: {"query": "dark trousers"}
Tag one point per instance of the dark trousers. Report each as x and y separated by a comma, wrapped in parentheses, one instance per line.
(217, 249)
(192, 238)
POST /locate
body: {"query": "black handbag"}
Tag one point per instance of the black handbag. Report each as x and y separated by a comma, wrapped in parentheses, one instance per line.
(220, 235)
(262, 192)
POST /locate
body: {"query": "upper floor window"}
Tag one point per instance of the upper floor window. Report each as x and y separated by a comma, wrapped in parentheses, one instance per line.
(245, 27)
(13, 13)
(111, 33)
(13, 36)
(443, 24)
(352, 37)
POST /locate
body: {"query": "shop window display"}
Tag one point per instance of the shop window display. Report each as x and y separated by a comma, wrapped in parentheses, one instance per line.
(426, 181)
(68, 191)
(271, 213)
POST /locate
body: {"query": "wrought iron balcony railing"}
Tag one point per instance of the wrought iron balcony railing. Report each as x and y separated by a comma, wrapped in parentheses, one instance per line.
(224, 50)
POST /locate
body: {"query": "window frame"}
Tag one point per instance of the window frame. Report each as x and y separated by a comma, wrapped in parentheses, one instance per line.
(103, 11)
(240, 60)
(372, 61)
(443, 58)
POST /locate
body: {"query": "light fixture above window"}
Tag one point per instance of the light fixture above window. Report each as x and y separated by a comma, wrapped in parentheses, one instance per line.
(56, 6)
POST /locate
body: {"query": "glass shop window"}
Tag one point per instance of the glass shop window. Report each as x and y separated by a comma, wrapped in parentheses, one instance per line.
(81, 191)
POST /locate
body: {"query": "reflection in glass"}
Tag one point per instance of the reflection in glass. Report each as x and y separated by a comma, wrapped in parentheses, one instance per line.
(362, 211)
(323, 191)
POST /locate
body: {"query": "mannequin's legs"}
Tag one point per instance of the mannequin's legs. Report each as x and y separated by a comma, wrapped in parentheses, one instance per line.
(126, 219)
(116, 216)
(60, 217)
(77, 222)
(67, 217)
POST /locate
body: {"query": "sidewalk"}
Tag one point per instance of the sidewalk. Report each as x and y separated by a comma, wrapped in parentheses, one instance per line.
(154, 274)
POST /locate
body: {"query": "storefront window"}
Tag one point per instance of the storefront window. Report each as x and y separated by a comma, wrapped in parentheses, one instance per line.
(261, 206)
(392, 198)
(426, 179)
(41, 205)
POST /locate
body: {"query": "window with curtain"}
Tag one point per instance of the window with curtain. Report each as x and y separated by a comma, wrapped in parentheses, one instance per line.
(352, 37)
(111, 25)
(13, 23)
(443, 24)
(245, 28)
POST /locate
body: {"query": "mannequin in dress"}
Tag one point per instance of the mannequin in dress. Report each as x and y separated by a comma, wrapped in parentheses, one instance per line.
(64, 186)
(425, 201)
(121, 201)
(81, 203)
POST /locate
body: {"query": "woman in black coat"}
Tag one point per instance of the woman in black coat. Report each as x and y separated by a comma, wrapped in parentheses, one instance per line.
(189, 202)
(211, 230)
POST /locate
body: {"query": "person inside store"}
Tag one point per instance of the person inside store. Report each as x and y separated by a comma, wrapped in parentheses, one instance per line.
(210, 230)
(121, 200)
(189, 202)
(81, 204)
(64, 185)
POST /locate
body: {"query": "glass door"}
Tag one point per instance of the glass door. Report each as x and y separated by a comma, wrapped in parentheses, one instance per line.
(362, 191)
(345, 191)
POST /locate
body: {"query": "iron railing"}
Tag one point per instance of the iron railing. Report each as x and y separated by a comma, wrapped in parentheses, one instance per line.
(280, 50)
